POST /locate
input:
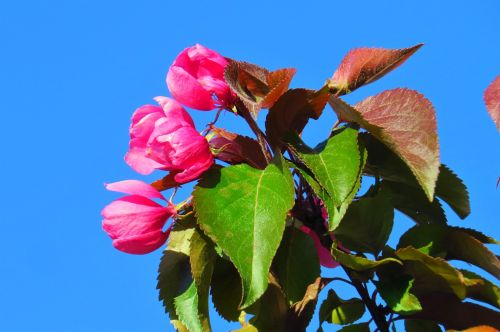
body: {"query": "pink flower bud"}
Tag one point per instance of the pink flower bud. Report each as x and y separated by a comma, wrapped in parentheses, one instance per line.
(135, 222)
(196, 76)
(165, 138)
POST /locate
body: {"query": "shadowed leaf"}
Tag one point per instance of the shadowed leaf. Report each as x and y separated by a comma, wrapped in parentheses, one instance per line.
(413, 202)
(338, 311)
(236, 149)
(481, 289)
(361, 327)
(362, 66)
(431, 274)
(492, 101)
(292, 111)
(449, 311)
(296, 264)
(301, 312)
(226, 290)
(404, 120)
(418, 325)
(367, 224)
(243, 210)
(271, 309)
(386, 164)
(451, 243)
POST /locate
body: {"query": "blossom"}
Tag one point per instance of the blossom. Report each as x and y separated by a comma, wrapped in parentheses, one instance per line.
(135, 222)
(196, 75)
(165, 138)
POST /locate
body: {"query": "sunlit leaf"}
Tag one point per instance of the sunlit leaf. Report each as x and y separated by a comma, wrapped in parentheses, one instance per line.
(396, 293)
(243, 209)
(492, 101)
(362, 66)
(405, 121)
(336, 165)
(480, 289)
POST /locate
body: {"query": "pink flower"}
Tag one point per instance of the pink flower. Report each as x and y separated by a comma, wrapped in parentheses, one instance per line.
(135, 222)
(165, 138)
(325, 258)
(197, 75)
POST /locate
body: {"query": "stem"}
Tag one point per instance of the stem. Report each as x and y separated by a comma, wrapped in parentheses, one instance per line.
(256, 130)
(377, 315)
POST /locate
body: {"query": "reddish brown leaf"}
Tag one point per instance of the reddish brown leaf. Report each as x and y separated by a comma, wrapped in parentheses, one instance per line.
(292, 112)
(236, 149)
(257, 87)
(492, 101)
(405, 121)
(446, 309)
(364, 65)
(278, 82)
(166, 183)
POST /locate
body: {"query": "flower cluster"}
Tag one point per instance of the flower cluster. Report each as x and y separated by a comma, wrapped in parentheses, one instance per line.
(164, 137)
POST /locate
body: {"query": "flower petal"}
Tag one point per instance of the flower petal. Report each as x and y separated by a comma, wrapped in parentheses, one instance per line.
(142, 244)
(187, 90)
(135, 187)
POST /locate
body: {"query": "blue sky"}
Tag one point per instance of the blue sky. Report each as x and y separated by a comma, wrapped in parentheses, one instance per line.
(72, 73)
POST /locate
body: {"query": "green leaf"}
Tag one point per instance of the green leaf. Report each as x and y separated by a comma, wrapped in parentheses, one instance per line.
(296, 264)
(175, 283)
(405, 121)
(452, 243)
(174, 272)
(419, 325)
(186, 306)
(202, 258)
(336, 165)
(413, 202)
(396, 293)
(358, 263)
(338, 311)
(226, 290)
(451, 189)
(367, 225)
(243, 210)
(360, 327)
(481, 289)
(431, 274)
